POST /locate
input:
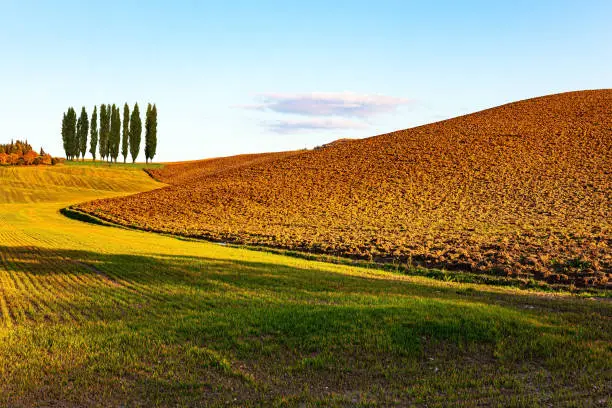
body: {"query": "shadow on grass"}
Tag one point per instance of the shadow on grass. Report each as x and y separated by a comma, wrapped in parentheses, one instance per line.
(283, 325)
(311, 310)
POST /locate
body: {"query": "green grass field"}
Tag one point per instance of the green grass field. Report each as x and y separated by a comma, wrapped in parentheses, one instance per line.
(99, 316)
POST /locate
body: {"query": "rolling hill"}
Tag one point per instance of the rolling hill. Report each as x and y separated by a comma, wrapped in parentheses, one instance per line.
(521, 190)
(92, 315)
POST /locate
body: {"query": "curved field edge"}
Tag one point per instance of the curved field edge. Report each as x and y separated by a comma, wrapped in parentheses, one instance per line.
(85, 217)
(458, 276)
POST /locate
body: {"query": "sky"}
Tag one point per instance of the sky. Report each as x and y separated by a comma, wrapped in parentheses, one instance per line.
(231, 77)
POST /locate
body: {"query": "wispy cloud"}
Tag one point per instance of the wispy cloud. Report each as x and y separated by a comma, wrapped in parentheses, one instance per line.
(344, 104)
(305, 125)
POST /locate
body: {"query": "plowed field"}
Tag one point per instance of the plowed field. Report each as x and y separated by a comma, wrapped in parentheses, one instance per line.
(520, 190)
(190, 171)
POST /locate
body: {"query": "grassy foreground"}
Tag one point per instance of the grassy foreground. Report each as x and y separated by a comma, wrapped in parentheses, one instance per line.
(92, 315)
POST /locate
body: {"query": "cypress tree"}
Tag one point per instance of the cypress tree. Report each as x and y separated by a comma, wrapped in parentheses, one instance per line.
(109, 132)
(71, 136)
(115, 139)
(117, 133)
(74, 135)
(153, 131)
(135, 133)
(67, 139)
(148, 121)
(126, 132)
(111, 136)
(65, 135)
(77, 140)
(93, 144)
(82, 130)
(103, 131)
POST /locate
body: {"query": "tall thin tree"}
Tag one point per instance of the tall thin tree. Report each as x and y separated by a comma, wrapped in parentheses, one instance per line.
(104, 127)
(148, 121)
(79, 132)
(65, 135)
(109, 139)
(111, 136)
(83, 130)
(135, 132)
(126, 132)
(152, 146)
(71, 136)
(115, 132)
(93, 137)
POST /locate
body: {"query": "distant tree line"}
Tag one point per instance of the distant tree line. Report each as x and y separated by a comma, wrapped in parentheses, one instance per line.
(21, 153)
(109, 138)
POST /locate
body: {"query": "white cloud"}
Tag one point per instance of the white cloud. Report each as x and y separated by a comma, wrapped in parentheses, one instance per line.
(344, 104)
(305, 125)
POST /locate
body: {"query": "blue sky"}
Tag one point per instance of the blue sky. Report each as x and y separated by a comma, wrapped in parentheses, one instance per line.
(232, 77)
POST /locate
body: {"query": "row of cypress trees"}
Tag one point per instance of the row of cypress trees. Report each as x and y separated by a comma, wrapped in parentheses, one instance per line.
(108, 137)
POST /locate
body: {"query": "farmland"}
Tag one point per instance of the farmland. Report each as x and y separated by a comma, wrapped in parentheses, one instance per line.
(521, 190)
(183, 172)
(92, 315)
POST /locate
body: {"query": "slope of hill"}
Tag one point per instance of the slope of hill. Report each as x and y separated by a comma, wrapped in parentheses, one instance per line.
(522, 189)
(66, 183)
(189, 171)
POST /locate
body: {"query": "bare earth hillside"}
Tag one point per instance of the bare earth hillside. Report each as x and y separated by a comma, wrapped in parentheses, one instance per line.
(520, 190)
(189, 171)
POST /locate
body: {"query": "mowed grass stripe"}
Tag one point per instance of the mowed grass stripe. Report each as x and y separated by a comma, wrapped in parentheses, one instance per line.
(7, 320)
(36, 272)
(71, 282)
(130, 291)
(37, 299)
(61, 283)
(15, 299)
(9, 289)
(47, 293)
(79, 273)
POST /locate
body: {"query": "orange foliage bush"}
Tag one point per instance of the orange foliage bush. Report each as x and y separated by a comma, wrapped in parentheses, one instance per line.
(29, 157)
(21, 153)
(521, 190)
